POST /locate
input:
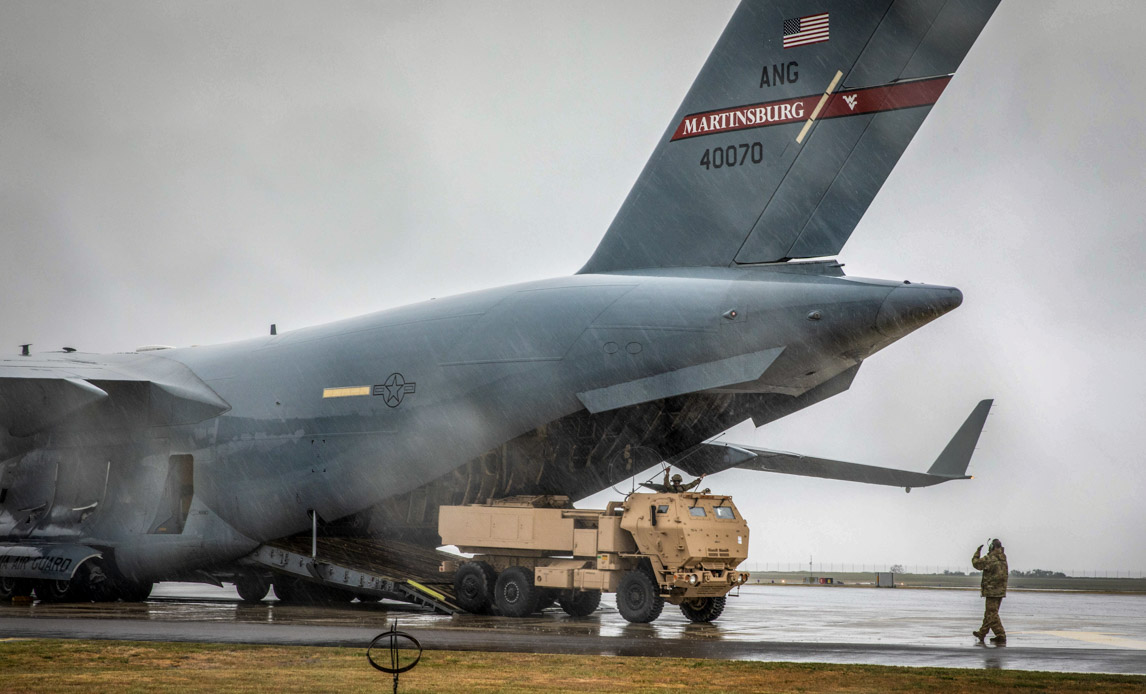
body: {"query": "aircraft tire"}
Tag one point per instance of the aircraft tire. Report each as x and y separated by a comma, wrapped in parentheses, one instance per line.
(252, 587)
(93, 581)
(702, 610)
(514, 594)
(289, 590)
(298, 592)
(54, 591)
(363, 597)
(638, 597)
(14, 588)
(581, 604)
(336, 596)
(474, 584)
(135, 591)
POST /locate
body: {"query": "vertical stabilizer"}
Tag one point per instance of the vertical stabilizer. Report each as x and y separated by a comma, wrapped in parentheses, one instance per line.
(789, 131)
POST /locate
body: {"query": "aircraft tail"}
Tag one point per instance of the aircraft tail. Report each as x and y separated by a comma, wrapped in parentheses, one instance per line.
(793, 124)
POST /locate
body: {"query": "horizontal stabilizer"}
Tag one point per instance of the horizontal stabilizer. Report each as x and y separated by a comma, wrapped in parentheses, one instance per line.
(950, 465)
(714, 374)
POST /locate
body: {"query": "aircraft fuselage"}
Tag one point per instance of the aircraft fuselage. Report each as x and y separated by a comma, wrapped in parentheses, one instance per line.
(340, 417)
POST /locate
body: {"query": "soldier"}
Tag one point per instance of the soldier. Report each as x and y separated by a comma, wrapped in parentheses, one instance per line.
(993, 588)
(677, 486)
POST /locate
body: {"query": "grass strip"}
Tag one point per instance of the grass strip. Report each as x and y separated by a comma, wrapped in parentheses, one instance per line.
(37, 665)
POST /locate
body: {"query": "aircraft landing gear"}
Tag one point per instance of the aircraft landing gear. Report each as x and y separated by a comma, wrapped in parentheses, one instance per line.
(252, 587)
(14, 588)
(94, 581)
(54, 591)
(294, 591)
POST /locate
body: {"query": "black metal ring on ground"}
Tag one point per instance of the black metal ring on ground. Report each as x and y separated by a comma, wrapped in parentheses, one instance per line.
(394, 636)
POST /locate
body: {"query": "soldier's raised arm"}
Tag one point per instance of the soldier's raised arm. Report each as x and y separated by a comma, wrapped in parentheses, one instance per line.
(977, 561)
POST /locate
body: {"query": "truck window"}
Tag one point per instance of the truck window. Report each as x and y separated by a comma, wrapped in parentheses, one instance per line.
(697, 511)
(724, 512)
(663, 508)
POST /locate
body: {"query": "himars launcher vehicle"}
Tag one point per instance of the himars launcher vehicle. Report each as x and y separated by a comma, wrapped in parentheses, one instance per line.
(699, 309)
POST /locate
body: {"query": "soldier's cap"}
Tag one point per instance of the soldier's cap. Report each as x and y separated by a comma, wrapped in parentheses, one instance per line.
(677, 478)
(996, 543)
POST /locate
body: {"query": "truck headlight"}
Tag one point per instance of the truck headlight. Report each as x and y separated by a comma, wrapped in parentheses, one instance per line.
(692, 579)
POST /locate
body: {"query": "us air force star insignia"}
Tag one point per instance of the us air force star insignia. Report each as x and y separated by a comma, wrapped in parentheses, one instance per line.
(394, 389)
(851, 100)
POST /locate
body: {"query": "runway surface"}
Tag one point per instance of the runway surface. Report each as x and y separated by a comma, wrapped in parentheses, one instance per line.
(1047, 631)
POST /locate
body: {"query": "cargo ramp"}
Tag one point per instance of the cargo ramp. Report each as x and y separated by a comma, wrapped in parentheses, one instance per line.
(370, 567)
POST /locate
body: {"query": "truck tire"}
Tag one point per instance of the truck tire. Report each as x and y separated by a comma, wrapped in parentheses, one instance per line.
(638, 597)
(515, 595)
(581, 604)
(252, 587)
(474, 584)
(703, 609)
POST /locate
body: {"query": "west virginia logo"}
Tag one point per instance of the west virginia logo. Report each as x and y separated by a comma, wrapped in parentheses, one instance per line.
(851, 100)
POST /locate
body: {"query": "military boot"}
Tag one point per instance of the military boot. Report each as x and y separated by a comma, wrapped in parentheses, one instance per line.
(999, 640)
(980, 635)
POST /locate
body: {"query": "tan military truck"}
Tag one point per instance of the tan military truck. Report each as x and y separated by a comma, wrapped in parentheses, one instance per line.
(681, 548)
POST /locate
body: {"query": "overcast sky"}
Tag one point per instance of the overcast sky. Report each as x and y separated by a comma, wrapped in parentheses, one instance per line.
(188, 173)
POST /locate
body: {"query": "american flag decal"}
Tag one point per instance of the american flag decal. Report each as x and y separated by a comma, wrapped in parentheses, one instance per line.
(804, 30)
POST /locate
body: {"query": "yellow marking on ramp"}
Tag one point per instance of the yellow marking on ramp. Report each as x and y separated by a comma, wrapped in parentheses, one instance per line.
(427, 591)
(1096, 637)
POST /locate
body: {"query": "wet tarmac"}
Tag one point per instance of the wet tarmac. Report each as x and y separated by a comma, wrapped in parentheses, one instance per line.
(1046, 630)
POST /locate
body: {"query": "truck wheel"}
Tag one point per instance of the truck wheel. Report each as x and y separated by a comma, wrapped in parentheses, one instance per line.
(638, 597)
(474, 584)
(515, 594)
(252, 587)
(703, 609)
(581, 604)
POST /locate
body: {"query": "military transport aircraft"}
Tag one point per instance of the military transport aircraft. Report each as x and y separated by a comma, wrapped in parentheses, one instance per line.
(713, 298)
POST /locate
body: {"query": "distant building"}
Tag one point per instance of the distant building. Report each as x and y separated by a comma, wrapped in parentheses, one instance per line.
(884, 579)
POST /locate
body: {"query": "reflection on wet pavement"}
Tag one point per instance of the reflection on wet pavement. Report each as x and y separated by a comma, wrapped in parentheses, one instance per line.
(779, 614)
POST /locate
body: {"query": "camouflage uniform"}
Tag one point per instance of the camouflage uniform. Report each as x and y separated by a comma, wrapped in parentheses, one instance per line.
(993, 588)
(676, 487)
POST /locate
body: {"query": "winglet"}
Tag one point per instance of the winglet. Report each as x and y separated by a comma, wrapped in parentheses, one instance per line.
(953, 461)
